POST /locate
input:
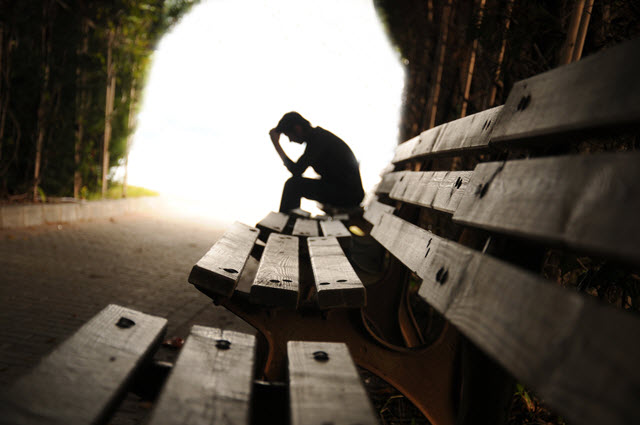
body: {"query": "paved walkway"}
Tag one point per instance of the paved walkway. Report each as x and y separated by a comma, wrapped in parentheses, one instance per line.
(53, 278)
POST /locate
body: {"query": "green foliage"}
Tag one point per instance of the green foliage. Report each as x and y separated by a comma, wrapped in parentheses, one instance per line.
(51, 85)
(115, 192)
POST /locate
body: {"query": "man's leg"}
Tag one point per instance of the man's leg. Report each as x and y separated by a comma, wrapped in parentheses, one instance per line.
(299, 187)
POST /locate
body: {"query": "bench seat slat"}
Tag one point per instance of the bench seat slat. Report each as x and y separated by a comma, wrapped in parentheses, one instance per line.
(546, 336)
(80, 381)
(599, 90)
(334, 228)
(305, 227)
(318, 388)
(273, 222)
(277, 281)
(209, 383)
(337, 284)
(220, 268)
(588, 202)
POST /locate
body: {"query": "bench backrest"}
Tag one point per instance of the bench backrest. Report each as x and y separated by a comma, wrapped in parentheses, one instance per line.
(478, 202)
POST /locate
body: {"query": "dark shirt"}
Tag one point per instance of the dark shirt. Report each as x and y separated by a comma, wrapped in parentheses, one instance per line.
(331, 158)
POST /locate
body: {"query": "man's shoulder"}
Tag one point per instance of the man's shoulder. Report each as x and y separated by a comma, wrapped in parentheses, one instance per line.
(326, 135)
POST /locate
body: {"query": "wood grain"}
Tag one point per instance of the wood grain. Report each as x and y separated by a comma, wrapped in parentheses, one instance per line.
(80, 381)
(441, 190)
(404, 151)
(337, 284)
(334, 228)
(326, 391)
(599, 90)
(305, 227)
(469, 133)
(387, 182)
(373, 212)
(277, 280)
(273, 222)
(579, 355)
(209, 383)
(218, 271)
(588, 202)
(451, 190)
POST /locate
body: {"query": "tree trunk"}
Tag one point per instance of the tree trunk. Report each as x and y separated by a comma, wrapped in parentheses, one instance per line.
(131, 123)
(471, 63)
(81, 105)
(44, 97)
(432, 105)
(110, 97)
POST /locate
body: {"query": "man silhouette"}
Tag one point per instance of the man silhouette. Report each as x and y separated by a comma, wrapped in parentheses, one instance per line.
(339, 183)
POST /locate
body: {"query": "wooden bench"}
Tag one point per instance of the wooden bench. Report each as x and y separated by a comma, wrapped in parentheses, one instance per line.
(471, 212)
(212, 382)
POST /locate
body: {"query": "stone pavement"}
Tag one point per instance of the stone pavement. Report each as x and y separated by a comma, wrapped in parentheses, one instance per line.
(53, 278)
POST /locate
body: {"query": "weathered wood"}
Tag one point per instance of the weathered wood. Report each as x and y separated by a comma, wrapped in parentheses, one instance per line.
(404, 151)
(334, 228)
(373, 212)
(387, 182)
(277, 281)
(564, 345)
(597, 91)
(211, 381)
(325, 387)
(83, 378)
(299, 212)
(273, 222)
(305, 227)
(218, 271)
(337, 284)
(469, 133)
(441, 190)
(589, 202)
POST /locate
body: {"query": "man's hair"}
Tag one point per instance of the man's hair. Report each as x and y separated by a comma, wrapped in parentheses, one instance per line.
(291, 119)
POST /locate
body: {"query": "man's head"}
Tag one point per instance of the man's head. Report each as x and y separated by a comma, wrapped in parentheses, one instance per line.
(294, 126)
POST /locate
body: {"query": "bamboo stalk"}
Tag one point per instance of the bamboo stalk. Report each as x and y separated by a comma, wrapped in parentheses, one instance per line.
(496, 77)
(432, 105)
(471, 63)
(566, 53)
(110, 96)
(582, 32)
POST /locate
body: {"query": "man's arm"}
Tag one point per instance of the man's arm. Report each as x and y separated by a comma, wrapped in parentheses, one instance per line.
(291, 166)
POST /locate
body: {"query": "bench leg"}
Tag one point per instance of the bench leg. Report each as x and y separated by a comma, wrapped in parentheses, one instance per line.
(424, 375)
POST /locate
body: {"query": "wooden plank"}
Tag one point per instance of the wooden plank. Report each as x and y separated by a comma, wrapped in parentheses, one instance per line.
(404, 151)
(334, 228)
(83, 378)
(337, 284)
(325, 387)
(299, 212)
(441, 190)
(578, 355)
(211, 381)
(469, 133)
(426, 142)
(387, 182)
(277, 280)
(305, 227)
(451, 190)
(373, 212)
(218, 271)
(599, 90)
(273, 222)
(588, 202)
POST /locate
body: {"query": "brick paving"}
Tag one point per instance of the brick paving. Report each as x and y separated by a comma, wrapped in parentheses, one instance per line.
(53, 278)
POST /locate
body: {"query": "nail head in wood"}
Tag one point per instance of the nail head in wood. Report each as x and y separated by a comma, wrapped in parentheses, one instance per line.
(223, 344)
(321, 356)
(125, 323)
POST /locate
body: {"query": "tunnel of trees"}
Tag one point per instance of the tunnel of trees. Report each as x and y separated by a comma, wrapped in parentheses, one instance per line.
(72, 71)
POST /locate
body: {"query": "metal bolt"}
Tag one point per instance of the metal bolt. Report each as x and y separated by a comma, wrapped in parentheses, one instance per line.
(223, 344)
(321, 356)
